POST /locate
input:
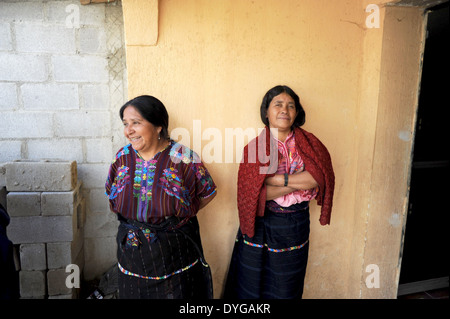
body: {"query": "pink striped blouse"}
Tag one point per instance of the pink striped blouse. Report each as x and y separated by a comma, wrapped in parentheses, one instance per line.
(290, 163)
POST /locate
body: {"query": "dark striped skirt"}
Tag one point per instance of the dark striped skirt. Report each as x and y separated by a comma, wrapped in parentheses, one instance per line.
(272, 264)
(162, 261)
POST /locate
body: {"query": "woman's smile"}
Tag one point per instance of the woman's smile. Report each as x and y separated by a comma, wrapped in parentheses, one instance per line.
(142, 134)
(134, 139)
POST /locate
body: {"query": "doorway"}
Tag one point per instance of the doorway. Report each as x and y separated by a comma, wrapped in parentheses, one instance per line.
(425, 265)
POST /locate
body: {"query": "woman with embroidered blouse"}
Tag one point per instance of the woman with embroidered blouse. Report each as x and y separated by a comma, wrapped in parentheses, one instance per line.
(274, 191)
(156, 187)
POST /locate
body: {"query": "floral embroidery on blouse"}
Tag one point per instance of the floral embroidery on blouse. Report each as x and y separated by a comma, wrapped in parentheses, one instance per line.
(120, 182)
(173, 185)
(124, 151)
(176, 176)
(203, 176)
(143, 179)
(181, 153)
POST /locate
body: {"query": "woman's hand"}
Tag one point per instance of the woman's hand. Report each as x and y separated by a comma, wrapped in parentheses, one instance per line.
(273, 192)
(302, 181)
(298, 181)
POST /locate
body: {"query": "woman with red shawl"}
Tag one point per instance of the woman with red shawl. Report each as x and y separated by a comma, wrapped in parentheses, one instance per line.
(274, 190)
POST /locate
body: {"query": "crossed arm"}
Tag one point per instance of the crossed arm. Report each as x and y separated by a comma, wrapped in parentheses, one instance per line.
(275, 184)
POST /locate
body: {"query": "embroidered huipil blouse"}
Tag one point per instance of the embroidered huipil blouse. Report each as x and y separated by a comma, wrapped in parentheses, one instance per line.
(170, 184)
(290, 162)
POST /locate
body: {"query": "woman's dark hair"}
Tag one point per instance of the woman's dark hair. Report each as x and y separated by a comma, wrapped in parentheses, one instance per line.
(277, 90)
(152, 110)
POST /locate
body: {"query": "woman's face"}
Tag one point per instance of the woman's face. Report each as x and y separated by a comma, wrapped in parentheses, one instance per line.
(281, 112)
(141, 133)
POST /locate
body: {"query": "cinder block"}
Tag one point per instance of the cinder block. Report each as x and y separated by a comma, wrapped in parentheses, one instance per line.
(72, 68)
(92, 40)
(36, 37)
(92, 175)
(56, 282)
(98, 150)
(23, 67)
(79, 124)
(41, 229)
(73, 295)
(32, 283)
(60, 203)
(37, 96)
(61, 254)
(22, 11)
(41, 176)
(8, 94)
(26, 124)
(100, 254)
(5, 39)
(33, 257)
(69, 149)
(96, 96)
(2, 174)
(24, 204)
(16, 256)
(3, 194)
(10, 150)
(69, 296)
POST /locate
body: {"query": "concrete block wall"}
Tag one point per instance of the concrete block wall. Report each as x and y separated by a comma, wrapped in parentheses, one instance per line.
(62, 82)
(47, 227)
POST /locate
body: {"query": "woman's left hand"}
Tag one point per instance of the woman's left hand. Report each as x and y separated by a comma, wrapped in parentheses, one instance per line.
(300, 180)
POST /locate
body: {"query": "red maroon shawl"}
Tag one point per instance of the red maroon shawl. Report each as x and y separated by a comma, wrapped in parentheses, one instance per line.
(251, 191)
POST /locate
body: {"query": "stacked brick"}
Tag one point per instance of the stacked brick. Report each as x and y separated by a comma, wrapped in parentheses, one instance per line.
(62, 76)
(47, 214)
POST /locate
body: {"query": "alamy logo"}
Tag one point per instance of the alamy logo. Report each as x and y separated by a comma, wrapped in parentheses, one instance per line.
(73, 18)
(373, 279)
(232, 142)
(373, 19)
(73, 279)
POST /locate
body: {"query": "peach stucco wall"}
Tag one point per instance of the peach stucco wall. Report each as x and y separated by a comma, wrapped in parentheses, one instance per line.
(211, 62)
